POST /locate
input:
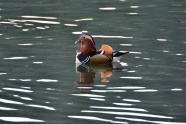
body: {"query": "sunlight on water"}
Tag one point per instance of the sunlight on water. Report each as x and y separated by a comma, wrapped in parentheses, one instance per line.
(84, 19)
(79, 32)
(123, 104)
(46, 80)
(132, 13)
(38, 17)
(120, 108)
(108, 8)
(176, 89)
(30, 105)
(7, 109)
(128, 113)
(14, 21)
(146, 90)
(37, 62)
(135, 52)
(134, 7)
(25, 29)
(84, 87)
(20, 80)
(16, 58)
(88, 95)
(10, 101)
(41, 106)
(3, 73)
(97, 99)
(136, 78)
(19, 90)
(25, 44)
(19, 119)
(161, 39)
(71, 25)
(24, 98)
(126, 45)
(100, 85)
(96, 118)
(104, 91)
(144, 120)
(131, 100)
(105, 36)
(126, 87)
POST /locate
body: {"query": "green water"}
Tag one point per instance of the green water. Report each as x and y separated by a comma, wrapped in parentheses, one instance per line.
(40, 82)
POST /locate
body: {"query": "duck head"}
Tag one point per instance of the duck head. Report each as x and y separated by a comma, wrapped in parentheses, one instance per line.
(87, 44)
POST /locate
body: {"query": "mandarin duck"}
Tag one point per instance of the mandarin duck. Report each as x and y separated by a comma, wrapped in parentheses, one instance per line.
(88, 54)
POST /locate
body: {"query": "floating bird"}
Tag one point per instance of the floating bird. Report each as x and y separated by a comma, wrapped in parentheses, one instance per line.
(89, 55)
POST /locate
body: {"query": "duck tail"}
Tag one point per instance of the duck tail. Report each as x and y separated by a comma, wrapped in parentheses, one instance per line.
(118, 54)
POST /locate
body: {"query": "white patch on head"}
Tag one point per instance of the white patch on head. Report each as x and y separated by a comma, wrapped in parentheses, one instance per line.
(87, 37)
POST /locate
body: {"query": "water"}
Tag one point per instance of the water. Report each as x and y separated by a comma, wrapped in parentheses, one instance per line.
(40, 82)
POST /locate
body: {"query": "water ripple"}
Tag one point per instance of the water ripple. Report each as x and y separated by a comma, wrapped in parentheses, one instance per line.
(10, 101)
(108, 8)
(105, 36)
(38, 17)
(133, 52)
(14, 21)
(97, 99)
(132, 77)
(84, 19)
(31, 105)
(5, 108)
(25, 44)
(134, 7)
(127, 87)
(104, 91)
(24, 98)
(88, 95)
(120, 108)
(19, 119)
(19, 90)
(131, 100)
(16, 58)
(96, 119)
(123, 104)
(144, 120)
(37, 62)
(3, 73)
(126, 45)
(176, 89)
(128, 113)
(146, 90)
(71, 25)
(46, 80)
(40, 106)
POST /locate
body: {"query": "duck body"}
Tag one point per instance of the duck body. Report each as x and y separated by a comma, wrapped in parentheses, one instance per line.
(89, 55)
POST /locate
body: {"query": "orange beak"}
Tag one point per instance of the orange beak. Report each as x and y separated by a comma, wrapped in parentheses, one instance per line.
(78, 41)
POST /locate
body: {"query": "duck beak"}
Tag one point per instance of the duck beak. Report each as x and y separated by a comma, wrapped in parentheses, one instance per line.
(78, 41)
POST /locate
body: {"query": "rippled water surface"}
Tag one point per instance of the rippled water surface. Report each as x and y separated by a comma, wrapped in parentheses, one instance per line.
(40, 82)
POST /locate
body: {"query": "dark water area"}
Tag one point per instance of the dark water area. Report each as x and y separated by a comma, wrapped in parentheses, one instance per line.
(41, 83)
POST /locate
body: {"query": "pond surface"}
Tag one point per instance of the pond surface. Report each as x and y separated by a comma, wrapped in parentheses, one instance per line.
(40, 82)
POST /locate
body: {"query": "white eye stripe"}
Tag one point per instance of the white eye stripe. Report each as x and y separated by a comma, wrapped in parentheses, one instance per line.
(88, 37)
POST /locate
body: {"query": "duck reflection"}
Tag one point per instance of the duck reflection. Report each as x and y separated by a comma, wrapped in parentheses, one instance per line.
(87, 73)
